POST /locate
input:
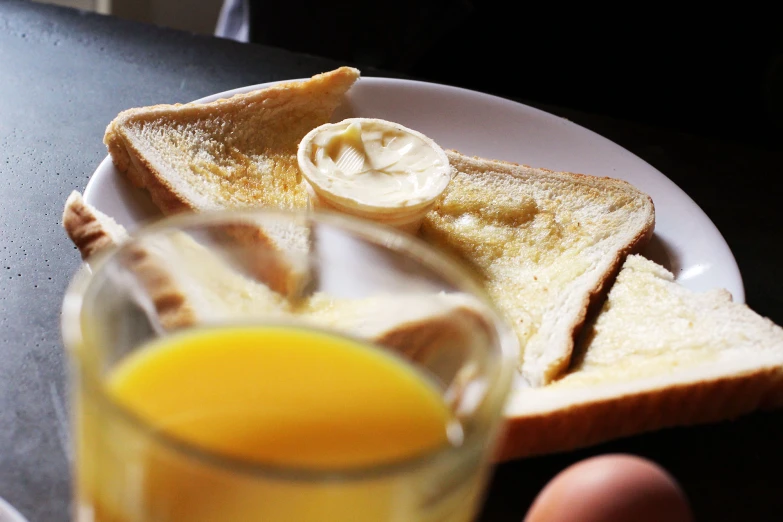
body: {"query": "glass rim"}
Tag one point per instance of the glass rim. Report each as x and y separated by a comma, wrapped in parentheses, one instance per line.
(384, 236)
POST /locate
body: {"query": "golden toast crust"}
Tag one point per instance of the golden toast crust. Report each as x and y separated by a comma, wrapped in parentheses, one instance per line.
(583, 425)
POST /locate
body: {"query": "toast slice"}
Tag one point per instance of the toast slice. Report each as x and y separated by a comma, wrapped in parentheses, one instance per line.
(658, 355)
(547, 244)
(186, 283)
(232, 153)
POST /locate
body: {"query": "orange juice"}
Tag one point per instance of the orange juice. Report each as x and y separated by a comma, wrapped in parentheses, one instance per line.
(269, 402)
(282, 396)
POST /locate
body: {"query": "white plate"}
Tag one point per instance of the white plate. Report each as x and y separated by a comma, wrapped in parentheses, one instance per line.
(685, 239)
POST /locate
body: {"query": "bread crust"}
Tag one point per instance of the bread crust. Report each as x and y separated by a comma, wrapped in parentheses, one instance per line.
(173, 309)
(590, 423)
(591, 306)
(592, 301)
(130, 162)
(86, 229)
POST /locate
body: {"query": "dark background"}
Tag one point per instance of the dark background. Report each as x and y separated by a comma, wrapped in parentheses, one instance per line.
(714, 72)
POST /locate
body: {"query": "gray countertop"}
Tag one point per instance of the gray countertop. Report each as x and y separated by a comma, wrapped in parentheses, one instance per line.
(65, 74)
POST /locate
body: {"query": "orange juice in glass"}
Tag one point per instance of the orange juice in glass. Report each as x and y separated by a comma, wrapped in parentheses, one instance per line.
(203, 389)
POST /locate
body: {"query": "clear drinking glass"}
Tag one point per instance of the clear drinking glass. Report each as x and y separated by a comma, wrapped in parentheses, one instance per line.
(330, 272)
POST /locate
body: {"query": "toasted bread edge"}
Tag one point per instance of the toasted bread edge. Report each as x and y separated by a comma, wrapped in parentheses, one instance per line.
(601, 420)
(89, 229)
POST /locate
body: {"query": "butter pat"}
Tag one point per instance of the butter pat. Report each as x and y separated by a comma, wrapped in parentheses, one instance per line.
(374, 169)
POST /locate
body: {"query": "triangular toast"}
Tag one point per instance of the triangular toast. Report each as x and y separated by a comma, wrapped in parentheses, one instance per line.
(232, 153)
(657, 355)
(546, 243)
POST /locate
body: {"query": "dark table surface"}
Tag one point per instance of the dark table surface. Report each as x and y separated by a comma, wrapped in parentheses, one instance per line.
(64, 74)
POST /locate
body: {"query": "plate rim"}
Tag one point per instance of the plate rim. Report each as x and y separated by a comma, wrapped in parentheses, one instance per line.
(737, 296)
(8, 513)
